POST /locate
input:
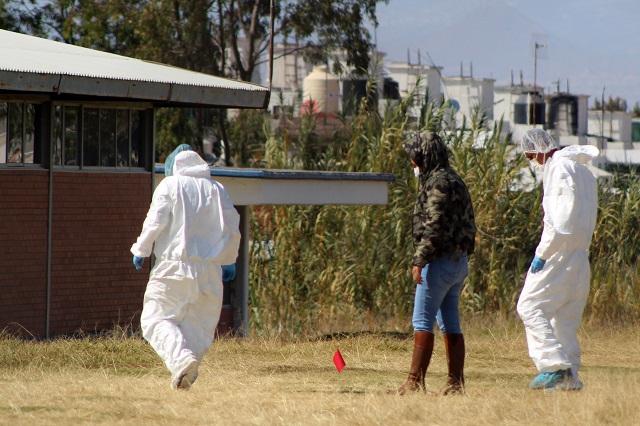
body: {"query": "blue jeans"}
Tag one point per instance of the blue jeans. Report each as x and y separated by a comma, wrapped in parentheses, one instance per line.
(438, 295)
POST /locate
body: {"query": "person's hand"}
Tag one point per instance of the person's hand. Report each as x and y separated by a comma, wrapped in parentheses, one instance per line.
(416, 272)
(138, 262)
(228, 273)
(537, 264)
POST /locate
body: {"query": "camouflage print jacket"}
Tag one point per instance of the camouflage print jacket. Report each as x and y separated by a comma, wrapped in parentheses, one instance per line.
(443, 219)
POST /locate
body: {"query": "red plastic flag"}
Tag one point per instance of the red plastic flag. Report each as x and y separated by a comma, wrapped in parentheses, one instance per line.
(338, 361)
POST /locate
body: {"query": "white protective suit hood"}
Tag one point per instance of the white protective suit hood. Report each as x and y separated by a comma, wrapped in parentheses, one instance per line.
(189, 163)
(581, 154)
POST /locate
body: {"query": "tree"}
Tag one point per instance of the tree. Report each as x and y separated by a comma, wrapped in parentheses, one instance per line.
(322, 28)
(636, 110)
(21, 16)
(612, 104)
(220, 37)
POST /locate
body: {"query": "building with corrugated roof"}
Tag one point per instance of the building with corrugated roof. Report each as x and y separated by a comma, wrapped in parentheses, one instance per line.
(77, 171)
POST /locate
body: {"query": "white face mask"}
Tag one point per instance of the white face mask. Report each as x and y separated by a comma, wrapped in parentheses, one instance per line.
(534, 165)
(416, 171)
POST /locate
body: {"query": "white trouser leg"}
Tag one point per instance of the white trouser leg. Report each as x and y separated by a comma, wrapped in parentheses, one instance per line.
(161, 318)
(202, 315)
(543, 293)
(200, 322)
(569, 316)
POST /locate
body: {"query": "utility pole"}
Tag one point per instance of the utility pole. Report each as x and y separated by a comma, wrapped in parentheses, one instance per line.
(602, 120)
(536, 46)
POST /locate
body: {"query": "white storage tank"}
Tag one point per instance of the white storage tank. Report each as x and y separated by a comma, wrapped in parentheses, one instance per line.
(321, 91)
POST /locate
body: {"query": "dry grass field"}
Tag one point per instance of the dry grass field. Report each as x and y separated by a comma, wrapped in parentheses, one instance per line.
(119, 380)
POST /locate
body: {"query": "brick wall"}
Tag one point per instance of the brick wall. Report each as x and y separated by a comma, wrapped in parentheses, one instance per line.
(23, 250)
(96, 218)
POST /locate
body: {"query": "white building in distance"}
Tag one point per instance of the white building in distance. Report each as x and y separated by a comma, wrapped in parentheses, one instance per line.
(469, 96)
(408, 75)
(615, 125)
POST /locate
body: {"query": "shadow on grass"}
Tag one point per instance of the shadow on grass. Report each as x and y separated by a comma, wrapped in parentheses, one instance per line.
(285, 369)
(353, 391)
(399, 335)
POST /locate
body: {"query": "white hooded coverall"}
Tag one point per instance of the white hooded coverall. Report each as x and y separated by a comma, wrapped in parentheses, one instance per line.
(552, 300)
(195, 229)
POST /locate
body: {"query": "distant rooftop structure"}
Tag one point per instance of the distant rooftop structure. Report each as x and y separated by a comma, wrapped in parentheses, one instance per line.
(519, 89)
(34, 64)
(468, 95)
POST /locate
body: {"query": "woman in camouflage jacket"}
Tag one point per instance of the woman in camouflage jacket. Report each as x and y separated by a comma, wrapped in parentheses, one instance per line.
(444, 234)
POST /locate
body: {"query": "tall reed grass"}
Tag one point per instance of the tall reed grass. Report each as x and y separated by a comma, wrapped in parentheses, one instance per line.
(331, 265)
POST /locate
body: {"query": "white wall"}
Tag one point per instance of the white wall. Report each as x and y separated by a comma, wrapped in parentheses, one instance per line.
(617, 125)
(288, 70)
(471, 93)
(407, 76)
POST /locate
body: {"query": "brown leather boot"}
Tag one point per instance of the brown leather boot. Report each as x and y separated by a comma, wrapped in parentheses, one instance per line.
(422, 350)
(454, 344)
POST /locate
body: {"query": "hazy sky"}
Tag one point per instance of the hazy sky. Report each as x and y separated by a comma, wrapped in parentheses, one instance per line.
(593, 43)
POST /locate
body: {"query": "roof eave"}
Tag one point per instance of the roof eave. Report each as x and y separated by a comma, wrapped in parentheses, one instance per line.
(164, 94)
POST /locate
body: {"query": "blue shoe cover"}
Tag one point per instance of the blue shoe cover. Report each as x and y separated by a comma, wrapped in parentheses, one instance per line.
(550, 379)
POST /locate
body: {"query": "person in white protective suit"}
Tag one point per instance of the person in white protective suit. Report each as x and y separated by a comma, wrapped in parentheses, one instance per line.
(195, 229)
(557, 284)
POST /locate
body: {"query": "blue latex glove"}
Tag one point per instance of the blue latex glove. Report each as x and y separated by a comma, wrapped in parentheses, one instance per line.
(138, 262)
(537, 264)
(228, 273)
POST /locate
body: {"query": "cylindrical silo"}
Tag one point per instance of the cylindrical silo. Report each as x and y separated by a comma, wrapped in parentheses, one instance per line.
(321, 90)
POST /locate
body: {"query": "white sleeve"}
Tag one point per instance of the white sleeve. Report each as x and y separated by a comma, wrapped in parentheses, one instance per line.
(230, 228)
(559, 202)
(158, 217)
(550, 242)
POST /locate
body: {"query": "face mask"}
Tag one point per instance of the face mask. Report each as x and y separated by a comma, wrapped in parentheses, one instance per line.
(416, 171)
(534, 165)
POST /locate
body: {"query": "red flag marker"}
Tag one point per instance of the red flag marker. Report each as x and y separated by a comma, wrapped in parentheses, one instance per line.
(338, 361)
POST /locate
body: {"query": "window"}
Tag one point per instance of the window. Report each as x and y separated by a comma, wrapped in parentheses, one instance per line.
(71, 136)
(91, 137)
(109, 137)
(137, 136)
(122, 138)
(529, 113)
(18, 132)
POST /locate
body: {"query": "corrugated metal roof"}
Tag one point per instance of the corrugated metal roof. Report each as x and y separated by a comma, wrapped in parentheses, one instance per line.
(64, 68)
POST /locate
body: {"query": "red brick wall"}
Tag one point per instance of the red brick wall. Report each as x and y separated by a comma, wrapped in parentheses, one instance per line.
(96, 218)
(23, 250)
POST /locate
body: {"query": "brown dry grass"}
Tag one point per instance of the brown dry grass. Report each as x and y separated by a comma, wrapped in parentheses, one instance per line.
(258, 381)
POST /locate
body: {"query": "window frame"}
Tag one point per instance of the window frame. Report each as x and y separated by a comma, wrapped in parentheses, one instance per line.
(37, 142)
(129, 107)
